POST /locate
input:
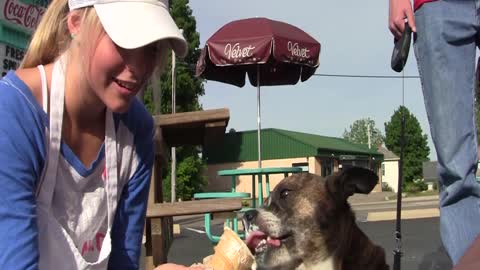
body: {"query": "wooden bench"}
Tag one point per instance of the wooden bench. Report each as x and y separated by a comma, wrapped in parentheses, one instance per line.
(159, 229)
(190, 128)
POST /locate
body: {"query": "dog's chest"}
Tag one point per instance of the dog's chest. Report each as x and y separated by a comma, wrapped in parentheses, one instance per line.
(321, 265)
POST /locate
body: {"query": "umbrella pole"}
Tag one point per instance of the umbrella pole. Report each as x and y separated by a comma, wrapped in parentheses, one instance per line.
(258, 119)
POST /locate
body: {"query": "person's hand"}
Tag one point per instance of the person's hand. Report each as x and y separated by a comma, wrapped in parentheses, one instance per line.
(399, 11)
(171, 266)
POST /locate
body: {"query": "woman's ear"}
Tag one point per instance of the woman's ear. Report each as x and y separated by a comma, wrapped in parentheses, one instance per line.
(74, 22)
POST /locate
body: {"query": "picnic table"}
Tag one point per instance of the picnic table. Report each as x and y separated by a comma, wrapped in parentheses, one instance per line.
(258, 174)
(189, 128)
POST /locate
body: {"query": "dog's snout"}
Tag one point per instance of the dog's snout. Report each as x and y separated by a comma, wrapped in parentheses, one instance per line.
(250, 215)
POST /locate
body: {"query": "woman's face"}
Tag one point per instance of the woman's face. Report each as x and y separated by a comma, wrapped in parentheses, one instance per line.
(116, 75)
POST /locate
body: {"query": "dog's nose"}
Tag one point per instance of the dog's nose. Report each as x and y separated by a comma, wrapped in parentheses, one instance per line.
(250, 215)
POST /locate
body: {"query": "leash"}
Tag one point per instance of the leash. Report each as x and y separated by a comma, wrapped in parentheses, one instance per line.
(397, 252)
(398, 61)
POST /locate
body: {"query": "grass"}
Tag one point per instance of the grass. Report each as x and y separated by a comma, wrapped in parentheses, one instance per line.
(423, 193)
(247, 202)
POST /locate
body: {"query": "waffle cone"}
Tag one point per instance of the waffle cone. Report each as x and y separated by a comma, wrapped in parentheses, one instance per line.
(231, 253)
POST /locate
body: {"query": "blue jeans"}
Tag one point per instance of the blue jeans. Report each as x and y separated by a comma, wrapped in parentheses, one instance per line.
(445, 46)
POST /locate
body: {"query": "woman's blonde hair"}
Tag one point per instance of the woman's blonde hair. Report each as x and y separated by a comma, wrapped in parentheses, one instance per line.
(52, 38)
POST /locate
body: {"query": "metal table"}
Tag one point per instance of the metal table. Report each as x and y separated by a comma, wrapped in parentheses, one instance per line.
(258, 173)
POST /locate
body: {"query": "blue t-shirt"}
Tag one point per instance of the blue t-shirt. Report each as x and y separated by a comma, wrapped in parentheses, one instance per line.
(22, 158)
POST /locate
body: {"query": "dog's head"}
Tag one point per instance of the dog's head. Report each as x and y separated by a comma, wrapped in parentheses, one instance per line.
(303, 217)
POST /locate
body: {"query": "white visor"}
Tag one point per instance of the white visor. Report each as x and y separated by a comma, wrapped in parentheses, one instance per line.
(136, 23)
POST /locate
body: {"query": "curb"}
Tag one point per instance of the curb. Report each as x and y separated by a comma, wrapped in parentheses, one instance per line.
(406, 214)
(407, 199)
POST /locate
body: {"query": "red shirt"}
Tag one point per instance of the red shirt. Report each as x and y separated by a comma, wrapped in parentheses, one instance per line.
(418, 3)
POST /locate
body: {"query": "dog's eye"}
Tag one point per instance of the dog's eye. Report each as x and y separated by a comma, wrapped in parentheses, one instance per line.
(284, 193)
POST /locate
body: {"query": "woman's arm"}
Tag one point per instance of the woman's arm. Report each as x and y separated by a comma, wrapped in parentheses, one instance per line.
(129, 221)
(21, 163)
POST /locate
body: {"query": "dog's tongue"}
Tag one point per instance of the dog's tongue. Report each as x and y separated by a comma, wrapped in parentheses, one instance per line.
(254, 238)
(273, 242)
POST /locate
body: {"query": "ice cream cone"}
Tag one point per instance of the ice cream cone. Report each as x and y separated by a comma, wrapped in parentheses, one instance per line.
(231, 253)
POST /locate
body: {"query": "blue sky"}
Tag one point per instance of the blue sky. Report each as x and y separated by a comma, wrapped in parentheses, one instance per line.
(355, 40)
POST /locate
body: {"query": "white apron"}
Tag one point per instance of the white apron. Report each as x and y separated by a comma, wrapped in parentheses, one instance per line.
(60, 245)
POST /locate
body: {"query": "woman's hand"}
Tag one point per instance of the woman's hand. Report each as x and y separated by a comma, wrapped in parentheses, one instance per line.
(171, 266)
(398, 12)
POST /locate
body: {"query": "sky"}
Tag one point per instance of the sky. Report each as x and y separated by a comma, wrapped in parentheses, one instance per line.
(354, 39)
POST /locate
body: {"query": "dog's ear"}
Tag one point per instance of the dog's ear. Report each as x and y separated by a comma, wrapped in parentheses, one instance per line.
(354, 180)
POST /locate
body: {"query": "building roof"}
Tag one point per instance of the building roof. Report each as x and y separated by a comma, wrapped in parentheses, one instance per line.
(279, 144)
(387, 154)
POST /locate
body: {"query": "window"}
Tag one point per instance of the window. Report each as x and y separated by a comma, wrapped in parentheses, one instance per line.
(303, 165)
(327, 167)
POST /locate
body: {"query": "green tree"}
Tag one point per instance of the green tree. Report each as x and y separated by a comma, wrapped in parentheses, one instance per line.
(188, 87)
(190, 167)
(416, 149)
(358, 132)
(190, 176)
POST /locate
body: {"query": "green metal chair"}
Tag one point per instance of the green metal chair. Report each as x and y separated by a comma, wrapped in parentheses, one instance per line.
(233, 222)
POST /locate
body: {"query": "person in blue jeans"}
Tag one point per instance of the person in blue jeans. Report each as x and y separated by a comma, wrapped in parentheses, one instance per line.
(446, 35)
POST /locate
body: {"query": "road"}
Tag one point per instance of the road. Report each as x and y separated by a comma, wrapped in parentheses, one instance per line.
(412, 208)
(422, 246)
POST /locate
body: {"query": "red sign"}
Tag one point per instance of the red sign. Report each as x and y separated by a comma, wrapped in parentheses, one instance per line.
(24, 15)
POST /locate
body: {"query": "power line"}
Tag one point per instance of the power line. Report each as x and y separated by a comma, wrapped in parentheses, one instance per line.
(193, 66)
(365, 76)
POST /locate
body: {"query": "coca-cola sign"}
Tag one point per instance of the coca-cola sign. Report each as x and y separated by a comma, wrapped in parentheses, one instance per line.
(24, 15)
(295, 50)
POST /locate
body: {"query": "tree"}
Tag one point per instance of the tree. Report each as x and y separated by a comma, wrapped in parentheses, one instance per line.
(359, 132)
(190, 176)
(416, 150)
(188, 87)
(190, 166)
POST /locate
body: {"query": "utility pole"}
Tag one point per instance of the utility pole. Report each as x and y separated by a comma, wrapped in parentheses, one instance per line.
(173, 178)
(369, 136)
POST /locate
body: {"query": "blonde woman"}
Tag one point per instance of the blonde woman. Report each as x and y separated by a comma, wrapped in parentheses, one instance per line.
(76, 145)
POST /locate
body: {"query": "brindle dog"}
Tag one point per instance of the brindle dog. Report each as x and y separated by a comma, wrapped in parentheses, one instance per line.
(307, 223)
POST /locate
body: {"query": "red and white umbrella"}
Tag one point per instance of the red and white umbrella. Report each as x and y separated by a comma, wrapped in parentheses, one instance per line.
(269, 52)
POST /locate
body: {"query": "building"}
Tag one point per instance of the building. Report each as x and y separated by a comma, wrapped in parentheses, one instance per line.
(283, 148)
(18, 20)
(430, 174)
(389, 168)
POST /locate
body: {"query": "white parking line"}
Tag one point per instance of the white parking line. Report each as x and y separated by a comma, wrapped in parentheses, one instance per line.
(195, 230)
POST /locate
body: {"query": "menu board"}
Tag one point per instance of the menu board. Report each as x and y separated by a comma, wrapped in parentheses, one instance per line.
(10, 58)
